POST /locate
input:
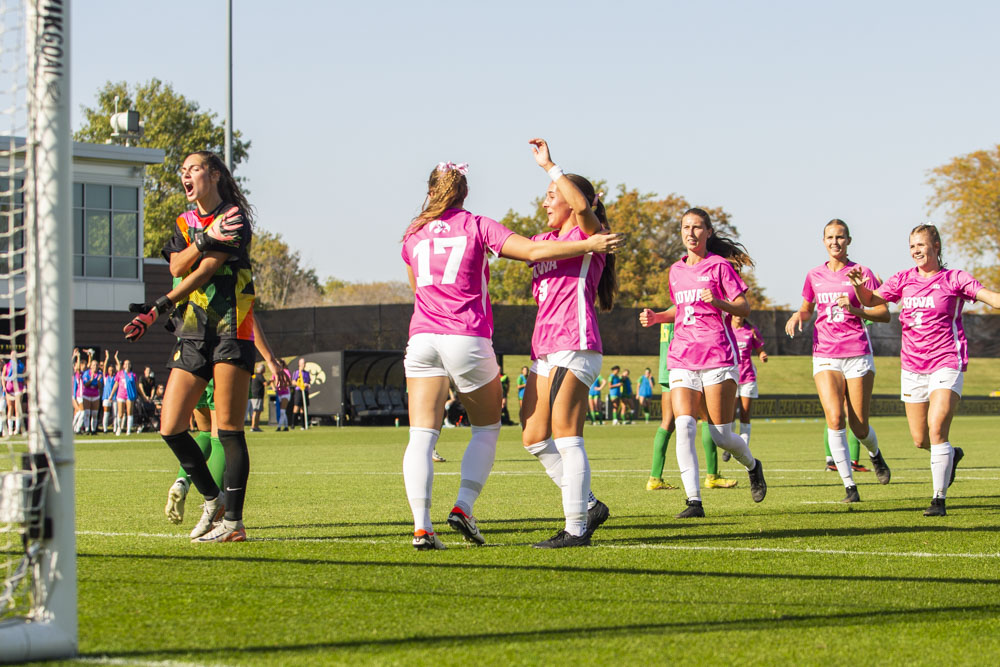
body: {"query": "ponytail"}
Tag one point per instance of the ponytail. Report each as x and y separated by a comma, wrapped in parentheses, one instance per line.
(229, 190)
(734, 251)
(607, 287)
(447, 188)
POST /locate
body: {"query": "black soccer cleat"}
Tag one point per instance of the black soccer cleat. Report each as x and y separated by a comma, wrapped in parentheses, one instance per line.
(693, 510)
(758, 487)
(882, 471)
(936, 508)
(562, 539)
(596, 516)
(852, 495)
(958, 456)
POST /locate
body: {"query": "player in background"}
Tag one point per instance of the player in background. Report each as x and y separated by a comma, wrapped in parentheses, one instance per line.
(92, 381)
(645, 392)
(257, 383)
(445, 249)
(627, 398)
(748, 341)
(108, 392)
(522, 382)
(79, 366)
(854, 448)
(211, 312)
(615, 393)
(666, 429)
(283, 394)
(301, 380)
(566, 349)
(504, 392)
(595, 413)
(125, 391)
(935, 352)
(703, 359)
(843, 365)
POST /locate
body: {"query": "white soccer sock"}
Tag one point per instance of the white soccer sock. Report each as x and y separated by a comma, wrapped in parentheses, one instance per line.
(841, 454)
(77, 421)
(870, 441)
(723, 436)
(745, 433)
(93, 421)
(686, 428)
(418, 475)
(941, 458)
(576, 483)
(129, 422)
(550, 458)
(477, 462)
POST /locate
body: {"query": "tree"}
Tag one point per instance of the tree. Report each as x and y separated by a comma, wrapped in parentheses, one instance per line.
(654, 243)
(339, 293)
(968, 190)
(279, 278)
(173, 124)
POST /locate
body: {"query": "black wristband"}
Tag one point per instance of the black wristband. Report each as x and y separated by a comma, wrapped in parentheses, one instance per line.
(164, 306)
(201, 241)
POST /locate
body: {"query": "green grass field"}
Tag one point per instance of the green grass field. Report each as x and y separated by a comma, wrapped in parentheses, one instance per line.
(329, 575)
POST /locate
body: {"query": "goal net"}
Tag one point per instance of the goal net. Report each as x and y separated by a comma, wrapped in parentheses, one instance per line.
(37, 543)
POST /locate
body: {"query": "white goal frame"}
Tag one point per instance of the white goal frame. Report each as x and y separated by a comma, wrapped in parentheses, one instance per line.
(50, 629)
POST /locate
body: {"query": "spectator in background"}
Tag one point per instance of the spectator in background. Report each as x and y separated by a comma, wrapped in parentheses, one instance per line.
(504, 390)
(147, 384)
(522, 382)
(257, 383)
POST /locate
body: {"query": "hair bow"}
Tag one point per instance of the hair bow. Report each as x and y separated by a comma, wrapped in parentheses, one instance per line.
(461, 167)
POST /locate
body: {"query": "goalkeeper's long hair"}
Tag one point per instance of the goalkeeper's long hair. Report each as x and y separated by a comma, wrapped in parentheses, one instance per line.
(446, 188)
(607, 288)
(229, 190)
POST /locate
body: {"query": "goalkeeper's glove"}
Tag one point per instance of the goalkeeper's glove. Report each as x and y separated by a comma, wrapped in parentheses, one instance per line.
(145, 317)
(223, 233)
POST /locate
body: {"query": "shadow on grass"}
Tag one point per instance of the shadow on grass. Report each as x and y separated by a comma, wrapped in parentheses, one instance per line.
(217, 557)
(782, 622)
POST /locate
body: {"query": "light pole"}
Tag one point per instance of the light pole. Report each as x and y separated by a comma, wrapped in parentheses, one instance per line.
(229, 85)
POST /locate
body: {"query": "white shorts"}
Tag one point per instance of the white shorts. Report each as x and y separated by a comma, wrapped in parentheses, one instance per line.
(849, 367)
(917, 387)
(697, 380)
(748, 389)
(107, 402)
(584, 364)
(468, 360)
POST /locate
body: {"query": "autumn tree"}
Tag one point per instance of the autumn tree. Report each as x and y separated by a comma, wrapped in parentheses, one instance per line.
(340, 293)
(967, 190)
(652, 224)
(280, 278)
(173, 124)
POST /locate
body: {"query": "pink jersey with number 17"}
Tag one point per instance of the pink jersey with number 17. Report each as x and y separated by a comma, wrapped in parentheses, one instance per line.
(837, 333)
(703, 337)
(931, 317)
(448, 257)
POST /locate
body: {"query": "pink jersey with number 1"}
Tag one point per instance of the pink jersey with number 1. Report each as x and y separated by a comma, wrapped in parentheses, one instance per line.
(703, 337)
(449, 261)
(931, 317)
(837, 334)
(565, 290)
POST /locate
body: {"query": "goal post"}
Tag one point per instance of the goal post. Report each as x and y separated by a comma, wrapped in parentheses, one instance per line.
(38, 484)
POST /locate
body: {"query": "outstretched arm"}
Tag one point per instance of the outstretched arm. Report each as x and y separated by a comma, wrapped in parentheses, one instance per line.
(648, 317)
(989, 297)
(526, 250)
(584, 209)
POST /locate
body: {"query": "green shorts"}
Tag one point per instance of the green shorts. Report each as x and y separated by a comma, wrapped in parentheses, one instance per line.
(207, 399)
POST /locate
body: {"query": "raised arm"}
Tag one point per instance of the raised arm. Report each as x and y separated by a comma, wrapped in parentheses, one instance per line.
(577, 201)
(989, 297)
(867, 297)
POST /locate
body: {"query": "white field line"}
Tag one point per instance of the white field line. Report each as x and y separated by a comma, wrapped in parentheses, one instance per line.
(668, 547)
(141, 663)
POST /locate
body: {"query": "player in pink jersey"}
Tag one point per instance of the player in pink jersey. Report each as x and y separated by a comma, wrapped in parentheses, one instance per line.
(566, 349)
(446, 249)
(935, 354)
(703, 358)
(843, 365)
(748, 341)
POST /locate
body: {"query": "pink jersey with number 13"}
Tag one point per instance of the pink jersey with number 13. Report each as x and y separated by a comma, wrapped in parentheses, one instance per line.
(837, 333)
(448, 257)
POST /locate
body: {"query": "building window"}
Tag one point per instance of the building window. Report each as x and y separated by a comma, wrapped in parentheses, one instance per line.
(105, 231)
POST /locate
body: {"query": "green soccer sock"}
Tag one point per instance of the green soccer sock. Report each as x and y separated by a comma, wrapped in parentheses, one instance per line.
(204, 440)
(711, 454)
(854, 444)
(660, 442)
(217, 461)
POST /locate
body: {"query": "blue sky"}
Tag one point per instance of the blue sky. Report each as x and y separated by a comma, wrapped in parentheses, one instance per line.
(785, 113)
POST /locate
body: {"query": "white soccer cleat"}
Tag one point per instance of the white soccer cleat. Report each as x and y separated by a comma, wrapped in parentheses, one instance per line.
(212, 513)
(224, 531)
(176, 496)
